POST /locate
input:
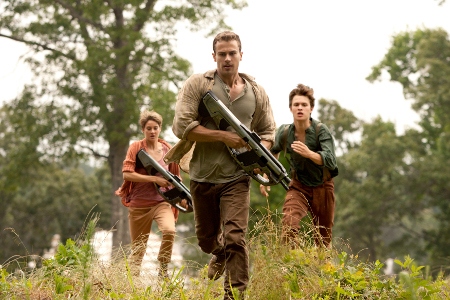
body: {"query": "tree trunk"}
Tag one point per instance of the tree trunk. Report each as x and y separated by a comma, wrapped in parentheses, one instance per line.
(119, 216)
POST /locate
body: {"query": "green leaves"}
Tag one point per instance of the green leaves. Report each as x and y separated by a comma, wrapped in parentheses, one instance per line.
(66, 194)
(97, 64)
(419, 60)
(341, 122)
(107, 60)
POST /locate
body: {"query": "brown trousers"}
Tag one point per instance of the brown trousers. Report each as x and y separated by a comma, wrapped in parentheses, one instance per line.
(319, 201)
(140, 220)
(221, 213)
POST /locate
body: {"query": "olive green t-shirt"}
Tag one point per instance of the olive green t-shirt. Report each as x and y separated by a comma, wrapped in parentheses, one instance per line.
(212, 161)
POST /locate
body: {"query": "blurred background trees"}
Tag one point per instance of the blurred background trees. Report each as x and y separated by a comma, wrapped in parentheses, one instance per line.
(98, 63)
(393, 190)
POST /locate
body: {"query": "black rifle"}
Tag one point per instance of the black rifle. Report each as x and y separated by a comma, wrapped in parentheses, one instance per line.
(175, 195)
(249, 159)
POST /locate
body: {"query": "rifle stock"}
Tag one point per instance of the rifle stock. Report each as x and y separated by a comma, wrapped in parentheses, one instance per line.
(258, 156)
(175, 195)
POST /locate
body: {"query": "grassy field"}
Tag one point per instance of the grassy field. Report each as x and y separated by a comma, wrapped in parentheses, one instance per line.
(277, 272)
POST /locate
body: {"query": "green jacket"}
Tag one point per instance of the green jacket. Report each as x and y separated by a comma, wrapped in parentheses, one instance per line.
(306, 171)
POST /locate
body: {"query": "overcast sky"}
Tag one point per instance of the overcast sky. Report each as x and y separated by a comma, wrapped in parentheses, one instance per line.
(329, 45)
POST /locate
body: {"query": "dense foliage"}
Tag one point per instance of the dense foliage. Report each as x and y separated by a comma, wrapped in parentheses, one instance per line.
(97, 64)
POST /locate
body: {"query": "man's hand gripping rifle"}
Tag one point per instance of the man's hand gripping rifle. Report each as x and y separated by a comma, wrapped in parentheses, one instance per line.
(257, 157)
(175, 195)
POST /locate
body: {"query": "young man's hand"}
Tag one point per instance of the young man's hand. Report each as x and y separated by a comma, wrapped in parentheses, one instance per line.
(264, 190)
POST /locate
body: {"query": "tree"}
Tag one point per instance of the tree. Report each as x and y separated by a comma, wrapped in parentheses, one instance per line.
(342, 123)
(419, 61)
(59, 202)
(97, 63)
(40, 197)
(370, 199)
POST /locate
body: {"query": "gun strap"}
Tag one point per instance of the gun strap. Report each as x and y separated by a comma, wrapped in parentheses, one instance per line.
(326, 171)
(284, 138)
(317, 134)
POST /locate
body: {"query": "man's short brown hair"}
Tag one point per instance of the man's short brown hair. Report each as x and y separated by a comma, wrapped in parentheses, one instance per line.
(227, 36)
(302, 90)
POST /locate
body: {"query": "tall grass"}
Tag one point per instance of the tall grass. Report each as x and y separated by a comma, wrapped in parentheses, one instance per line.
(277, 272)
